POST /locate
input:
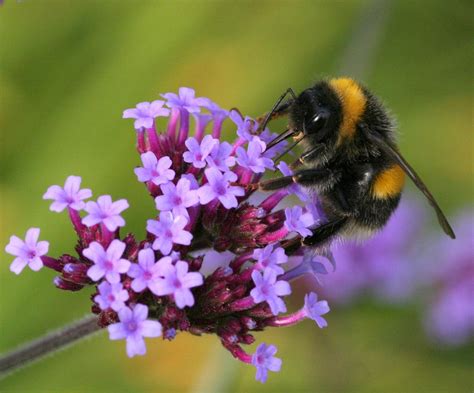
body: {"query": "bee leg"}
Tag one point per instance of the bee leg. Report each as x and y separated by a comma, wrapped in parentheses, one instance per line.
(324, 232)
(303, 177)
(311, 154)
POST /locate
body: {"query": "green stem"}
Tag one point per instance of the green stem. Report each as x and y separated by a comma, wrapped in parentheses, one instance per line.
(48, 344)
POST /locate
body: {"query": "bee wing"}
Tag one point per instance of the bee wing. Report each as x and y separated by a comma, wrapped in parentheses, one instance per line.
(396, 156)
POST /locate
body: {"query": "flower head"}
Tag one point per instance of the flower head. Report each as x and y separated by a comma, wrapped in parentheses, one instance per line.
(133, 326)
(177, 281)
(268, 289)
(107, 263)
(145, 113)
(197, 153)
(105, 211)
(69, 196)
(154, 170)
(185, 100)
(169, 230)
(177, 198)
(28, 252)
(314, 309)
(264, 359)
(111, 296)
(252, 158)
(218, 187)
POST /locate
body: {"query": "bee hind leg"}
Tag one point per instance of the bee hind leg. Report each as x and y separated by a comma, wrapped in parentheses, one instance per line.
(324, 232)
(305, 177)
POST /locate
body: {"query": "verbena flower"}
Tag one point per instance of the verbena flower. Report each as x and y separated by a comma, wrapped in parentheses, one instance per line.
(28, 252)
(212, 260)
(69, 196)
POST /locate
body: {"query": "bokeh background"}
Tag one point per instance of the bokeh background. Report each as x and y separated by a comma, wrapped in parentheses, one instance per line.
(69, 68)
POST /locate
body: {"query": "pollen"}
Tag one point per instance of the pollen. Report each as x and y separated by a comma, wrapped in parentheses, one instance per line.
(389, 182)
(353, 102)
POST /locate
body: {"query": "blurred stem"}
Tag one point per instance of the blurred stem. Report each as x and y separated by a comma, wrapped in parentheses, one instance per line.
(47, 345)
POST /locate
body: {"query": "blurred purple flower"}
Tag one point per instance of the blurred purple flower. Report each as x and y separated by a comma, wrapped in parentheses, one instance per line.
(314, 309)
(264, 359)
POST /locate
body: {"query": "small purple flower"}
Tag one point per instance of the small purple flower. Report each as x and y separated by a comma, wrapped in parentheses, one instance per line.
(268, 289)
(246, 127)
(69, 196)
(177, 198)
(219, 187)
(217, 112)
(297, 221)
(145, 113)
(220, 157)
(154, 170)
(185, 100)
(314, 309)
(133, 326)
(108, 263)
(111, 296)
(294, 188)
(253, 158)
(270, 258)
(177, 281)
(264, 359)
(267, 136)
(28, 252)
(197, 153)
(169, 229)
(145, 272)
(105, 211)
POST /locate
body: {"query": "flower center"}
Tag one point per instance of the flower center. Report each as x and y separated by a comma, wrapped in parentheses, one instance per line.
(220, 189)
(177, 200)
(111, 298)
(109, 265)
(168, 234)
(147, 275)
(177, 283)
(31, 254)
(132, 326)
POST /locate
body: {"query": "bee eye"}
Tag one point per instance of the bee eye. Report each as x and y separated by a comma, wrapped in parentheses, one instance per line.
(318, 122)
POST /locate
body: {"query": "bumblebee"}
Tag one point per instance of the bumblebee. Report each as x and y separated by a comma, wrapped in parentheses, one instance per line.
(350, 160)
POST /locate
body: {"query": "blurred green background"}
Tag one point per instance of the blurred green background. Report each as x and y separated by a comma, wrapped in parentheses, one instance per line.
(69, 68)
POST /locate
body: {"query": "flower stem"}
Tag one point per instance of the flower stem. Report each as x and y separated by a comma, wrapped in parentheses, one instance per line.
(48, 344)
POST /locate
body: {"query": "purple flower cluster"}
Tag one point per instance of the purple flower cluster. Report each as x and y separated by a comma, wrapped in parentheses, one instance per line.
(175, 279)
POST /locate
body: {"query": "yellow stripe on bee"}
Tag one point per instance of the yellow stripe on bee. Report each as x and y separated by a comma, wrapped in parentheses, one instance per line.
(353, 102)
(388, 182)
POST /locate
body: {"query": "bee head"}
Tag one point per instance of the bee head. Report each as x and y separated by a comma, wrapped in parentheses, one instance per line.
(317, 113)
